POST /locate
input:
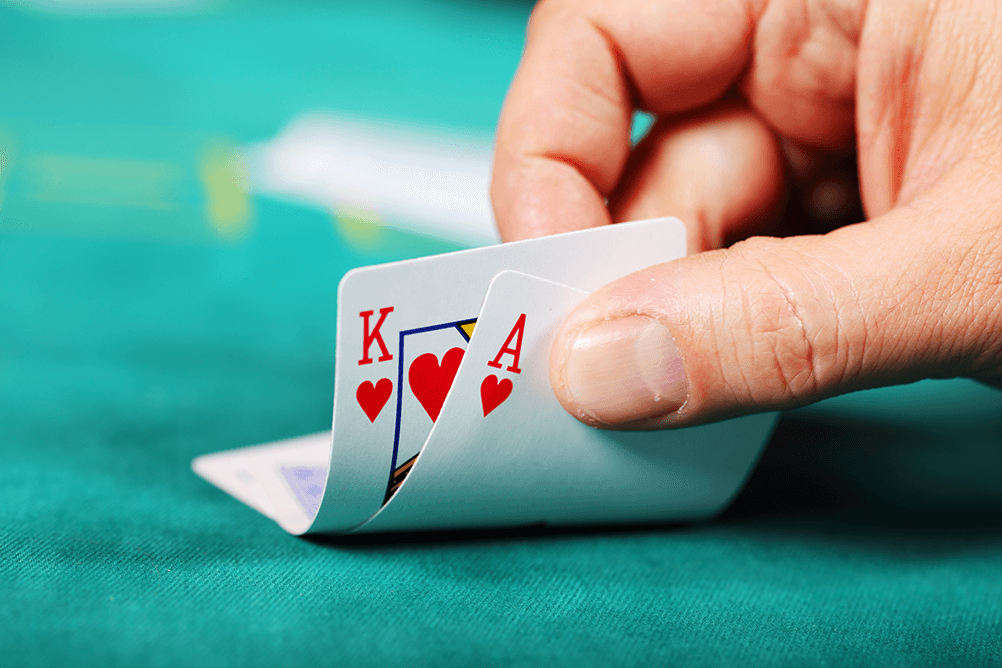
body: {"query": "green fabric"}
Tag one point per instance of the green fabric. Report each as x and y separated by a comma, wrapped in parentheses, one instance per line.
(869, 534)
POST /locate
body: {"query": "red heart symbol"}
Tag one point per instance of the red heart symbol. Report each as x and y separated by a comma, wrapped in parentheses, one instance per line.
(493, 392)
(431, 382)
(372, 398)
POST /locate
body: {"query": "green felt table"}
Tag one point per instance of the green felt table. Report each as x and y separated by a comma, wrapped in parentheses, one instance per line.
(869, 534)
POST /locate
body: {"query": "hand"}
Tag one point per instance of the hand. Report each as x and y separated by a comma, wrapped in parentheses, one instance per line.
(758, 103)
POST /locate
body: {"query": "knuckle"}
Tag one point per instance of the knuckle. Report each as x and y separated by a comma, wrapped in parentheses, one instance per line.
(794, 333)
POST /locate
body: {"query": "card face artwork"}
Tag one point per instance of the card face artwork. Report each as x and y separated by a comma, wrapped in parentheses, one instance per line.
(428, 361)
(444, 416)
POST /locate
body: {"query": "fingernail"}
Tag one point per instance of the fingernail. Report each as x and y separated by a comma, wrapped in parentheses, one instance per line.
(626, 369)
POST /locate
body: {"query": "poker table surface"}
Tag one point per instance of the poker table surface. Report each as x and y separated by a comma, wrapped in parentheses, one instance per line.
(136, 335)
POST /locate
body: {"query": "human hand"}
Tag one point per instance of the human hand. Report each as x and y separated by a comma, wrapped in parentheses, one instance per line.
(755, 100)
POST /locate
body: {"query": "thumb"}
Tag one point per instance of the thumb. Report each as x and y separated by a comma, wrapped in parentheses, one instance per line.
(772, 324)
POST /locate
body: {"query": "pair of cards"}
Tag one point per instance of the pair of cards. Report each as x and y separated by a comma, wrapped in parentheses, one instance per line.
(444, 416)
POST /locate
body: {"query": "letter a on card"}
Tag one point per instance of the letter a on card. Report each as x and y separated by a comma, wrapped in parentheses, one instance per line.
(494, 391)
(516, 333)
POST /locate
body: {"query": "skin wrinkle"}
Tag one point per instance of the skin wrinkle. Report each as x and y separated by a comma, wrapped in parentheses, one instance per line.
(753, 11)
(844, 31)
(875, 337)
(735, 355)
(939, 292)
(591, 173)
(899, 127)
(939, 340)
(794, 44)
(817, 45)
(746, 307)
(877, 124)
(808, 358)
(947, 291)
(803, 35)
(613, 101)
(837, 362)
(988, 337)
(567, 160)
(864, 345)
(909, 145)
(942, 303)
(905, 307)
(778, 324)
(983, 361)
(949, 100)
(790, 381)
(746, 382)
(802, 69)
(987, 65)
(848, 27)
(773, 332)
(733, 340)
(937, 150)
(756, 305)
(822, 285)
(845, 344)
(625, 75)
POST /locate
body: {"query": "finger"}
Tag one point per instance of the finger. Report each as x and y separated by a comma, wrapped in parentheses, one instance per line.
(772, 324)
(720, 170)
(563, 137)
(564, 134)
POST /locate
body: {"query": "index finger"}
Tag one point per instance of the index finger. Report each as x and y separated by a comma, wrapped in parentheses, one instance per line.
(564, 135)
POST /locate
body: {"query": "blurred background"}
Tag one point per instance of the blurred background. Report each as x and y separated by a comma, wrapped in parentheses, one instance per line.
(167, 120)
(187, 180)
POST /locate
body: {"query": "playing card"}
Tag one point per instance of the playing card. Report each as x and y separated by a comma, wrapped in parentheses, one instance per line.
(404, 380)
(403, 329)
(283, 480)
(504, 452)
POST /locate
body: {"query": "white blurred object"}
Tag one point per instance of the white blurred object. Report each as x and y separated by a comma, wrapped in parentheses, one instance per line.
(414, 179)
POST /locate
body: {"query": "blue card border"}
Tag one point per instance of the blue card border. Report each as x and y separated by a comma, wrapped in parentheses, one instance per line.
(400, 380)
